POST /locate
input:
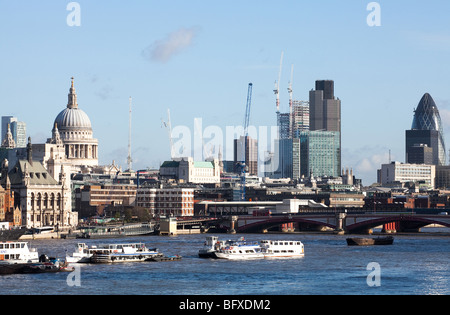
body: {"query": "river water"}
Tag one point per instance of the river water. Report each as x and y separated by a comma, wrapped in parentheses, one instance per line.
(414, 265)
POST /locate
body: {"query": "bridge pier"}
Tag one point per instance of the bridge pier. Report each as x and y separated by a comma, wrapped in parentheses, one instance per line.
(391, 227)
(340, 223)
(233, 223)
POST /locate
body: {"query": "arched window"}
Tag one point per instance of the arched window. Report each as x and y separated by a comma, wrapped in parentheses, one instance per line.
(33, 202)
(39, 202)
(52, 201)
(58, 202)
(45, 207)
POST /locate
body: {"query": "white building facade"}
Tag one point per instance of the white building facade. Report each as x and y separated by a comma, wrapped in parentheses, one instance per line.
(403, 173)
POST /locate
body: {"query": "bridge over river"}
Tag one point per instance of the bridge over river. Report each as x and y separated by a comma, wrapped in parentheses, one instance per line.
(348, 222)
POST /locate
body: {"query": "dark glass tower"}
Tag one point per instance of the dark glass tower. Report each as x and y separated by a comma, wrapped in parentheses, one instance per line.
(427, 129)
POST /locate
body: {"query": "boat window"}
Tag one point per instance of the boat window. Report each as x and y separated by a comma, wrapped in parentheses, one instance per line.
(1, 246)
(11, 245)
(6, 245)
(22, 245)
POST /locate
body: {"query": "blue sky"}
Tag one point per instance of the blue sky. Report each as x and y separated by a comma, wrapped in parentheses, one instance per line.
(196, 58)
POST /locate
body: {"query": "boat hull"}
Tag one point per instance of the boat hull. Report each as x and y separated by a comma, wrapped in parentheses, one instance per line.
(120, 258)
(370, 241)
(239, 257)
(207, 254)
(160, 258)
(275, 256)
(9, 269)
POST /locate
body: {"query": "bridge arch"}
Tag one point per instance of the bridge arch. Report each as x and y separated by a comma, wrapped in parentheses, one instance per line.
(271, 222)
(407, 222)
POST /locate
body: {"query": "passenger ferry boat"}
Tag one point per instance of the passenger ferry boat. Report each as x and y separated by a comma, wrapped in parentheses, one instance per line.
(83, 253)
(240, 250)
(123, 253)
(282, 249)
(17, 253)
(211, 246)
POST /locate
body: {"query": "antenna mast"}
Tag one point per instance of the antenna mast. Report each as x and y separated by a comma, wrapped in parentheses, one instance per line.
(129, 160)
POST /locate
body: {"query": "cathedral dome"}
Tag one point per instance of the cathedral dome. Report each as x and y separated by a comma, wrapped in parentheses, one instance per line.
(72, 118)
(72, 134)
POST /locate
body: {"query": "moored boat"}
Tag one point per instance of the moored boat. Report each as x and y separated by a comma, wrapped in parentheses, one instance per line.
(366, 241)
(282, 249)
(17, 253)
(83, 253)
(17, 258)
(159, 258)
(211, 246)
(137, 229)
(132, 252)
(240, 250)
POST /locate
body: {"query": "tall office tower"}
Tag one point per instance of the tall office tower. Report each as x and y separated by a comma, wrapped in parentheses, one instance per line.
(300, 119)
(18, 130)
(325, 110)
(286, 159)
(320, 153)
(284, 121)
(427, 130)
(325, 116)
(251, 154)
(290, 125)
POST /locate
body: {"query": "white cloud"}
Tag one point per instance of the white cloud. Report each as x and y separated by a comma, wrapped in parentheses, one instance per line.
(176, 42)
(365, 161)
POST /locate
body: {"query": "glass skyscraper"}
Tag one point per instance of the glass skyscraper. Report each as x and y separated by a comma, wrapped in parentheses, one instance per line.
(320, 153)
(427, 129)
(18, 130)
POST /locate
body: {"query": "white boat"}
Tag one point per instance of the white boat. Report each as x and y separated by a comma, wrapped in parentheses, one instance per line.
(240, 250)
(211, 246)
(282, 249)
(84, 253)
(132, 252)
(17, 253)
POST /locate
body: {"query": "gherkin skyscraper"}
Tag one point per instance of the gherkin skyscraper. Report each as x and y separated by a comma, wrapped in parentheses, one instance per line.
(427, 131)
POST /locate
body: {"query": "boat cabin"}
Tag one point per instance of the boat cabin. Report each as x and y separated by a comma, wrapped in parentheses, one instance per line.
(17, 252)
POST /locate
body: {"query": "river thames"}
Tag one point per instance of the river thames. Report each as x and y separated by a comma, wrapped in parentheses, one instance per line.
(414, 265)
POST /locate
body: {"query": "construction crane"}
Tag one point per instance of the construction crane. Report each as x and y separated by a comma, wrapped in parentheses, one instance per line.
(243, 165)
(291, 116)
(277, 83)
